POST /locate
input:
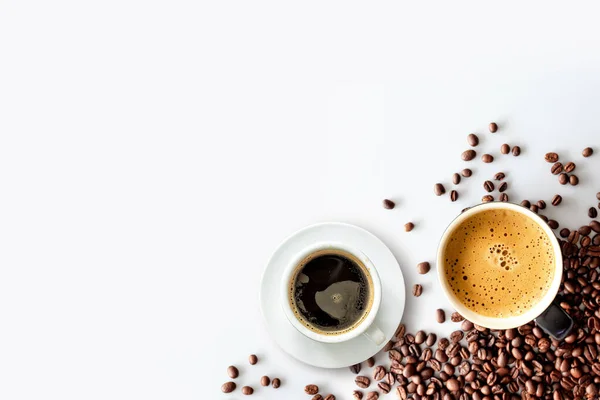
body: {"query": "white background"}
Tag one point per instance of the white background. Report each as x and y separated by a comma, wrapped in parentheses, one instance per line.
(154, 153)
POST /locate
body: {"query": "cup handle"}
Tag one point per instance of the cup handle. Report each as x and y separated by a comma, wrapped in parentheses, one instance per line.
(375, 334)
(555, 322)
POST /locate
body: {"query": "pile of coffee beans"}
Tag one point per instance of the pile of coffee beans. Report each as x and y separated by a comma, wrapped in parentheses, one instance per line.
(233, 373)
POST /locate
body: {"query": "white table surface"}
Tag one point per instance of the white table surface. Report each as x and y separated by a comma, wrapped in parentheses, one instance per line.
(154, 154)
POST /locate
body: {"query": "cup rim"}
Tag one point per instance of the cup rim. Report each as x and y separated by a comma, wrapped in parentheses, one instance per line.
(358, 330)
(513, 321)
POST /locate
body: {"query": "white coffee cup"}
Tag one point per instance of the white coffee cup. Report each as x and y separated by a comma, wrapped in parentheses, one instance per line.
(546, 314)
(365, 327)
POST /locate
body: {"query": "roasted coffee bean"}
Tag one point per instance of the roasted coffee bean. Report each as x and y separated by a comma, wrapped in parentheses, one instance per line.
(456, 317)
(431, 339)
(420, 337)
(487, 158)
(556, 200)
(526, 203)
(439, 189)
(456, 336)
(409, 226)
(552, 224)
(595, 226)
(372, 396)
(551, 157)
(467, 173)
(330, 397)
(402, 393)
(473, 140)
(468, 155)
(384, 387)
(276, 383)
(389, 378)
(355, 368)
(503, 186)
(499, 176)
(252, 359)
(466, 325)
(228, 387)
(534, 208)
(409, 370)
(371, 361)
(493, 127)
(379, 372)
(357, 395)
(312, 389)
(516, 151)
(487, 198)
(247, 390)
(400, 332)
(362, 382)
(574, 180)
(233, 372)
(317, 397)
(592, 212)
(588, 151)
(570, 167)
(488, 186)
(557, 168)
(503, 197)
(453, 195)
(395, 355)
(563, 178)
(505, 148)
(440, 316)
(388, 204)
(265, 381)
(452, 384)
(417, 290)
(423, 267)
(388, 346)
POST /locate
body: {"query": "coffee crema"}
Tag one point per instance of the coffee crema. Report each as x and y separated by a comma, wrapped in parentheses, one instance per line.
(331, 292)
(499, 263)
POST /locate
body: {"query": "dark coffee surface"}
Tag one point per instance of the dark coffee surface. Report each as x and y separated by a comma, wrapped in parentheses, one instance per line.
(331, 293)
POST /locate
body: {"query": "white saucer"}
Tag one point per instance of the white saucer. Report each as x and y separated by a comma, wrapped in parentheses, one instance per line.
(335, 355)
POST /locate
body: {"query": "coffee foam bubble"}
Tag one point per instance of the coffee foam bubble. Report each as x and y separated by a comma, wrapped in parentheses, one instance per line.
(499, 263)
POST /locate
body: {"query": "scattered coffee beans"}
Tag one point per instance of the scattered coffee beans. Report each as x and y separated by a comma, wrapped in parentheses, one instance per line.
(541, 204)
(228, 387)
(371, 361)
(384, 387)
(265, 381)
(439, 189)
(563, 178)
(355, 368)
(488, 186)
(551, 157)
(526, 203)
(473, 140)
(467, 173)
(552, 224)
(487, 158)
(557, 168)
(487, 198)
(276, 383)
(379, 373)
(503, 187)
(233, 372)
(409, 226)
(505, 148)
(493, 127)
(317, 397)
(417, 290)
(574, 180)
(453, 195)
(252, 359)
(330, 397)
(516, 151)
(372, 396)
(423, 267)
(569, 167)
(362, 382)
(456, 317)
(388, 204)
(311, 389)
(247, 390)
(556, 200)
(592, 212)
(468, 155)
(588, 151)
(499, 176)
(456, 178)
(357, 395)
(440, 316)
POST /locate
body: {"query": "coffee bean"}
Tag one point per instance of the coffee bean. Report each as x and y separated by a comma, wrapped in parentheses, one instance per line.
(431, 339)
(355, 368)
(409, 226)
(388, 346)
(372, 396)
(384, 387)
(592, 212)
(541, 204)
(423, 267)
(505, 148)
(556, 200)
(252, 359)
(503, 197)
(439, 189)
(488, 186)
(265, 381)
(516, 151)
(388, 204)
(493, 127)
(312, 389)
(456, 336)
(453, 195)
(552, 224)
(276, 383)
(452, 385)
(317, 397)
(534, 208)
(473, 140)
(574, 180)
(468, 155)
(417, 290)
(588, 151)
(551, 157)
(487, 198)
(503, 187)
(357, 395)
(247, 390)
(233, 372)
(570, 167)
(330, 397)
(487, 158)
(456, 178)
(362, 382)
(466, 325)
(389, 378)
(564, 232)
(228, 387)
(379, 373)
(557, 168)
(401, 392)
(440, 316)
(467, 173)
(371, 361)
(595, 226)
(456, 317)
(526, 203)
(563, 178)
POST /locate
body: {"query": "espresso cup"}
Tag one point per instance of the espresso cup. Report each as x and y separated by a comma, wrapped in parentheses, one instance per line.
(546, 312)
(364, 325)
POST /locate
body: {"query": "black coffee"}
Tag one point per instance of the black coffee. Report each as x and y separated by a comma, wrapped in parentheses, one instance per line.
(331, 292)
